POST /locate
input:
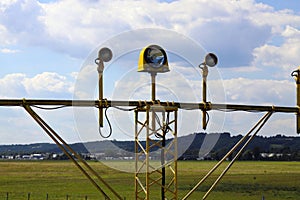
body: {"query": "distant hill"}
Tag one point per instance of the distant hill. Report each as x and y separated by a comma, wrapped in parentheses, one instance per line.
(37, 148)
(279, 145)
(216, 145)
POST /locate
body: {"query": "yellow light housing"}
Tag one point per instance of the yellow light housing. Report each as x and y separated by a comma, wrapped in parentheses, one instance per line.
(153, 59)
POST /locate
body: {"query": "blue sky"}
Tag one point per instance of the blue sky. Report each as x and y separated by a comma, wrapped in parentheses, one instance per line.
(280, 5)
(45, 44)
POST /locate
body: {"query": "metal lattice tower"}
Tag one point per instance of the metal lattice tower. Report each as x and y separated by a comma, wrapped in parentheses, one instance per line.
(156, 159)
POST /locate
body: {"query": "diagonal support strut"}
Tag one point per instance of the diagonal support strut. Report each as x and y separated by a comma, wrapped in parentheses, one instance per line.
(258, 125)
(65, 148)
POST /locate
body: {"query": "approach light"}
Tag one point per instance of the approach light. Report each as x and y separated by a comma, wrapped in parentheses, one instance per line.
(153, 59)
(211, 60)
(105, 54)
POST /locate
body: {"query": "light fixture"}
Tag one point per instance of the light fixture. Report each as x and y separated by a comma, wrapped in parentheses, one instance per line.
(211, 60)
(105, 54)
(153, 59)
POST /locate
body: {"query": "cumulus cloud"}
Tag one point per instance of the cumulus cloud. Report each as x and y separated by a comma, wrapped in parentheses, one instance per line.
(21, 20)
(46, 84)
(237, 27)
(11, 85)
(260, 91)
(284, 57)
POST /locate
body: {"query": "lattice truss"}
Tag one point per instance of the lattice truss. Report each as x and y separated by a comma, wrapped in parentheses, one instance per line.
(156, 152)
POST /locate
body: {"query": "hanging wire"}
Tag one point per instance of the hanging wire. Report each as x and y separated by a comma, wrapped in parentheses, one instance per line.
(234, 110)
(157, 135)
(207, 117)
(108, 121)
(49, 108)
(109, 124)
(165, 128)
(125, 109)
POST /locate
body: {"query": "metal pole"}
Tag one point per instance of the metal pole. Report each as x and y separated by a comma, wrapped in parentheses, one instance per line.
(162, 159)
(204, 94)
(153, 86)
(298, 99)
(136, 150)
(175, 155)
(147, 155)
(153, 128)
(296, 75)
(100, 87)
(163, 139)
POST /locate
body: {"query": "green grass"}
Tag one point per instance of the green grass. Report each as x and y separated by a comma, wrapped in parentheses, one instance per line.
(245, 180)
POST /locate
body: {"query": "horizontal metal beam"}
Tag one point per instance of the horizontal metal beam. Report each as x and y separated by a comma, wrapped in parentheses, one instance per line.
(48, 102)
(181, 105)
(254, 108)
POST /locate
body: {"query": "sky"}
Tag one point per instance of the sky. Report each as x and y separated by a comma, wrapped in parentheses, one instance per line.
(48, 47)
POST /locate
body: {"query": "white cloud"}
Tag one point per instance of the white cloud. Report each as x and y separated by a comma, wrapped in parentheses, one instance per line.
(11, 86)
(291, 32)
(261, 92)
(231, 26)
(285, 57)
(4, 4)
(232, 29)
(46, 84)
(5, 50)
(242, 122)
(21, 19)
(17, 127)
(47, 81)
(275, 19)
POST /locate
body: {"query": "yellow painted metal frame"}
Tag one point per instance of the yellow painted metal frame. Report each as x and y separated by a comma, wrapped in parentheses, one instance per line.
(150, 174)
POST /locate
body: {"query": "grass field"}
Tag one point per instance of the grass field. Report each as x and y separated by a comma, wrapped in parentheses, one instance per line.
(245, 180)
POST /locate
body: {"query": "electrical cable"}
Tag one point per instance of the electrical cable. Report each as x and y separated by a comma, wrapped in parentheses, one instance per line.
(224, 110)
(109, 124)
(52, 108)
(108, 121)
(207, 117)
(124, 109)
(157, 135)
(233, 110)
(166, 128)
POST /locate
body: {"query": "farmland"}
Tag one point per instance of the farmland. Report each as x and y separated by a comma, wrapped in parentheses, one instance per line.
(61, 179)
